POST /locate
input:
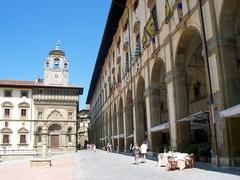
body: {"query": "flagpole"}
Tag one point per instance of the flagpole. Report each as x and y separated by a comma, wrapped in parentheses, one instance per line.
(209, 83)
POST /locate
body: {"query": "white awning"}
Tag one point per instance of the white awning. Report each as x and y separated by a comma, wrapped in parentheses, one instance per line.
(160, 127)
(121, 135)
(202, 115)
(130, 136)
(231, 112)
(114, 137)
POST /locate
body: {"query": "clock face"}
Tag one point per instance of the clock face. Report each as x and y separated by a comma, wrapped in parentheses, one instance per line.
(55, 75)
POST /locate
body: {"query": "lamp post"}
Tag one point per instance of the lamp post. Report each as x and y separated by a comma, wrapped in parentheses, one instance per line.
(214, 140)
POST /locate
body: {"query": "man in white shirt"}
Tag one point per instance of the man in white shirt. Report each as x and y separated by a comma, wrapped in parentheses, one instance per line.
(143, 150)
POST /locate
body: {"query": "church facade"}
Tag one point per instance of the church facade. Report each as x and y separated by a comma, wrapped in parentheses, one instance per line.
(28, 106)
(168, 72)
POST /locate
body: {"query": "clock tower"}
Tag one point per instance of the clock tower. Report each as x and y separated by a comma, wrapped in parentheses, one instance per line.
(56, 67)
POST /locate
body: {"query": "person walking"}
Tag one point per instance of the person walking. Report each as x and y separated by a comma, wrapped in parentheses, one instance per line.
(143, 150)
(136, 150)
(108, 147)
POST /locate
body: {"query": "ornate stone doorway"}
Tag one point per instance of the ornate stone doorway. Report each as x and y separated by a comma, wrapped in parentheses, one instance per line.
(54, 141)
(53, 138)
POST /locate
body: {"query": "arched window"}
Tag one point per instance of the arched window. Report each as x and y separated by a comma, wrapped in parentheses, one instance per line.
(56, 63)
(47, 64)
(65, 65)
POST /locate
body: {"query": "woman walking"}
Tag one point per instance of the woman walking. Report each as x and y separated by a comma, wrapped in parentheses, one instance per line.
(136, 149)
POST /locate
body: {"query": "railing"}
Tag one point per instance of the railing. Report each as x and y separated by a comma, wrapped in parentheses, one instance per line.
(18, 151)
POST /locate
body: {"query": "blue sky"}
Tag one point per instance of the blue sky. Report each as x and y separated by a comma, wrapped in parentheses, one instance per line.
(29, 29)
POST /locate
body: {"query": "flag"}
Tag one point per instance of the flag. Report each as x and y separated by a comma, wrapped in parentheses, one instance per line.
(131, 58)
(145, 38)
(168, 11)
(137, 54)
(180, 11)
(150, 27)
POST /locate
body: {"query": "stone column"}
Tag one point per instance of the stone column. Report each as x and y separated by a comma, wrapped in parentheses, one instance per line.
(125, 129)
(148, 112)
(44, 142)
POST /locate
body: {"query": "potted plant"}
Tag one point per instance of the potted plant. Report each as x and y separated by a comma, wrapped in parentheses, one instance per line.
(192, 150)
(203, 154)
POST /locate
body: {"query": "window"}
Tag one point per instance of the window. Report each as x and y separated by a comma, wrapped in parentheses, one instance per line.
(6, 112)
(118, 44)
(125, 26)
(69, 132)
(7, 93)
(6, 123)
(6, 139)
(40, 115)
(24, 93)
(47, 64)
(127, 62)
(23, 139)
(39, 135)
(70, 115)
(135, 5)
(56, 63)
(23, 112)
(22, 135)
(65, 65)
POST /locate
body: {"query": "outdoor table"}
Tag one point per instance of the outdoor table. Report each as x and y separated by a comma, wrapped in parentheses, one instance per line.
(180, 158)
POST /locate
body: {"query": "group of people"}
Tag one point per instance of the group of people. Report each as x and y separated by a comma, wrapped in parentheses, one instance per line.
(140, 152)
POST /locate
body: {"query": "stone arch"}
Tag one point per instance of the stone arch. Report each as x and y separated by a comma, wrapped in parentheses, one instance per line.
(57, 127)
(129, 118)
(120, 115)
(141, 116)
(129, 113)
(229, 30)
(114, 120)
(191, 87)
(106, 124)
(159, 105)
(120, 124)
(110, 122)
(54, 135)
(55, 115)
(158, 94)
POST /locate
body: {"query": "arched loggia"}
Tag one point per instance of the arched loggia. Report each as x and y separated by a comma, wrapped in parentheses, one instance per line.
(159, 107)
(191, 91)
(141, 117)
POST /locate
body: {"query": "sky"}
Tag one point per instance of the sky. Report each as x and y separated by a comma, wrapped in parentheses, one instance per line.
(29, 29)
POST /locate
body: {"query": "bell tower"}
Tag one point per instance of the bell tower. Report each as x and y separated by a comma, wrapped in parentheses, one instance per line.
(56, 67)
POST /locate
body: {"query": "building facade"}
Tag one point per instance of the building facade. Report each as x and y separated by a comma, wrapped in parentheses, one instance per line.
(167, 71)
(28, 106)
(83, 127)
